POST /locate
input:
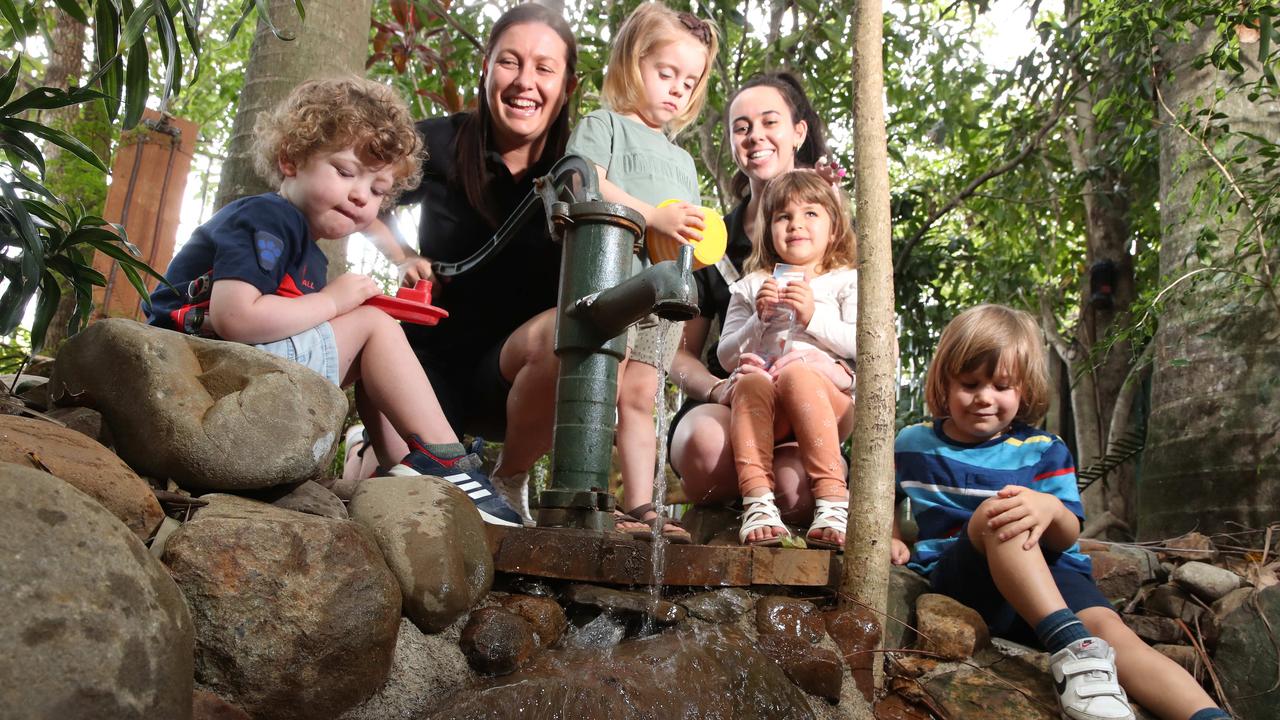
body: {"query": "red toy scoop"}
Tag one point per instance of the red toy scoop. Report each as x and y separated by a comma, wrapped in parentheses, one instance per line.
(411, 305)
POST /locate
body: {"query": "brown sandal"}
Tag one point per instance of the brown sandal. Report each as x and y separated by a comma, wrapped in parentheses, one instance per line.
(672, 531)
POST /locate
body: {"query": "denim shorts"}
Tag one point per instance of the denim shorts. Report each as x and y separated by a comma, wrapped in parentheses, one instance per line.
(315, 348)
(963, 574)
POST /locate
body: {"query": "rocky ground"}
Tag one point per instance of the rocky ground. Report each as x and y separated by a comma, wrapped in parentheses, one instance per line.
(167, 552)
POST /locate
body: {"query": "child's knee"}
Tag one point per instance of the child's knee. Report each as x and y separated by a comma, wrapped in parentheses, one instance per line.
(639, 388)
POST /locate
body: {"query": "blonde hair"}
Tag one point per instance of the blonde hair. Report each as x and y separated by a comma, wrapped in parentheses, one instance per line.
(804, 186)
(646, 29)
(326, 115)
(988, 338)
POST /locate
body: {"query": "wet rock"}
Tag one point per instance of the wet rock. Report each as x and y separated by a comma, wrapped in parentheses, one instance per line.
(309, 497)
(641, 680)
(85, 421)
(1184, 655)
(84, 464)
(433, 539)
(211, 415)
(856, 631)
(623, 601)
(602, 631)
(1154, 628)
(295, 614)
(1205, 581)
(814, 669)
(905, 585)
(497, 642)
(1120, 570)
(894, 707)
(777, 615)
(1232, 600)
(718, 606)
(543, 614)
(1192, 546)
(948, 628)
(1174, 602)
(426, 669)
(1012, 689)
(1246, 657)
(206, 705)
(93, 627)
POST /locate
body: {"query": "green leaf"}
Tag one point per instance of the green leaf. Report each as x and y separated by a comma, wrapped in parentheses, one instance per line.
(59, 138)
(169, 44)
(47, 98)
(135, 25)
(46, 308)
(264, 11)
(137, 85)
(72, 8)
(31, 261)
(245, 9)
(302, 11)
(10, 14)
(10, 79)
(22, 146)
(1264, 39)
(107, 25)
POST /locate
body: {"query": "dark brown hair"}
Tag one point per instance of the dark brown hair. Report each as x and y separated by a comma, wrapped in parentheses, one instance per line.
(804, 186)
(792, 92)
(474, 137)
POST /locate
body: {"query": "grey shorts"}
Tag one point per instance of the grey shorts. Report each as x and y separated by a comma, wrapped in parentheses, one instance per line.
(315, 348)
(654, 343)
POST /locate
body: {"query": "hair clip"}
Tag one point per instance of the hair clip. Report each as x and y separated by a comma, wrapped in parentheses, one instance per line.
(697, 27)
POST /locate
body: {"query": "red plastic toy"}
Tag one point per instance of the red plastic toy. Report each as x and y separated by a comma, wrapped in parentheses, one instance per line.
(411, 305)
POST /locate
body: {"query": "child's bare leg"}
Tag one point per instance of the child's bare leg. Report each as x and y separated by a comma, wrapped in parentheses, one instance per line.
(636, 439)
(529, 362)
(386, 443)
(1156, 682)
(1022, 576)
(372, 348)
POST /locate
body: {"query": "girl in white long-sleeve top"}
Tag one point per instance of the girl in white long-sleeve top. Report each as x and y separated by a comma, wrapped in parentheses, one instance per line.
(777, 392)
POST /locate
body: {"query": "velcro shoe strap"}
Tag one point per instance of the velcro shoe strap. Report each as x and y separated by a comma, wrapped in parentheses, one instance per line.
(1084, 665)
(1099, 689)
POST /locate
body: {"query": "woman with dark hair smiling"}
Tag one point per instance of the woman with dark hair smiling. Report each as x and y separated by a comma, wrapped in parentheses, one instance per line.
(772, 129)
(493, 358)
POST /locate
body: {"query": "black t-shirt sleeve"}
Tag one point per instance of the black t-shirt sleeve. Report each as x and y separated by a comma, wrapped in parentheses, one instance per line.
(258, 245)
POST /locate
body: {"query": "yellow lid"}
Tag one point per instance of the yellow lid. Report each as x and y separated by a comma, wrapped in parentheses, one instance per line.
(708, 251)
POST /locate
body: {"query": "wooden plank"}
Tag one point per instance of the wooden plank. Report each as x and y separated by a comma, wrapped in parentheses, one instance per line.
(588, 556)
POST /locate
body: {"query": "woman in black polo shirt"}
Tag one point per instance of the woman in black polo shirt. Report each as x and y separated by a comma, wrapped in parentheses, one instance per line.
(491, 362)
(772, 129)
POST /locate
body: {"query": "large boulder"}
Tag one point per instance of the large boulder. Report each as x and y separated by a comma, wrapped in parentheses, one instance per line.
(211, 415)
(93, 627)
(295, 614)
(86, 465)
(948, 628)
(688, 673)
(434, 541)
(1247, 658)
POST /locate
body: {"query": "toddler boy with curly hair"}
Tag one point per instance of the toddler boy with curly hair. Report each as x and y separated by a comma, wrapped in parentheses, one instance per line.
(339, 150)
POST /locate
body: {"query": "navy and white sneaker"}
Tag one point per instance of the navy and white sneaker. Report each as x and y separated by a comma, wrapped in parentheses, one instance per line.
(464, 473)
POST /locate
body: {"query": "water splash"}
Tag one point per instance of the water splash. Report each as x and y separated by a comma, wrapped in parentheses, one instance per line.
(658, 556)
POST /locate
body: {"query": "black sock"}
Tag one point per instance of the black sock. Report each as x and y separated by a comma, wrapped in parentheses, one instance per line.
(1059, 629)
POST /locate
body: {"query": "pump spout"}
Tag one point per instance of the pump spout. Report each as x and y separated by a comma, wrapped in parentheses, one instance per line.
(666, 289)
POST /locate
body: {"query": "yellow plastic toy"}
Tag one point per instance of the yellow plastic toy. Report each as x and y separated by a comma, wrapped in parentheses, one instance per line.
(715, 238)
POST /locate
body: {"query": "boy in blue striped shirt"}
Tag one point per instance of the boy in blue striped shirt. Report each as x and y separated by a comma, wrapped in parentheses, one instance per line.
(999, 514)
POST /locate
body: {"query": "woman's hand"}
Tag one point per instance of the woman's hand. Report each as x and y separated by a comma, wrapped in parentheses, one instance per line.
(766, 299)
(680, 220)
(799, 297)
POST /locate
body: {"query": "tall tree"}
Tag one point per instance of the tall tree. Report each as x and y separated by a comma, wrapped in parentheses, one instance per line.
(1213, 452)
(866, 562)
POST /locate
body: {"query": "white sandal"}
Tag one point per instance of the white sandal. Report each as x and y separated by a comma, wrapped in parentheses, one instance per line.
(827, 514)
(760, 512)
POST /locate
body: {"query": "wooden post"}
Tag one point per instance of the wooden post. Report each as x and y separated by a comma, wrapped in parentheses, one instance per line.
(865, 580)
(148, 178)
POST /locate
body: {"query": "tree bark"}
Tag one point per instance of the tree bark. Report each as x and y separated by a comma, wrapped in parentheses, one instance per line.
(334, 40)
(1212, 451)
(865, 579)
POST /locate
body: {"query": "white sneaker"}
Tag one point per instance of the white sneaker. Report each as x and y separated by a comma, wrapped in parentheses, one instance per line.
(1084, 673)
(515, 490)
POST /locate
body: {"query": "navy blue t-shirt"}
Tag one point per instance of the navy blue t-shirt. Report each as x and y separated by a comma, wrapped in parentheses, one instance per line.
(262, 240)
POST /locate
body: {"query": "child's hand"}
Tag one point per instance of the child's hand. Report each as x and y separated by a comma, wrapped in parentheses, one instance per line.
(899, 553)
(828, 168)
(681, 220)
(766, 299)
(799, 296)
(1020, 510)
(752, 363)
(349, 290)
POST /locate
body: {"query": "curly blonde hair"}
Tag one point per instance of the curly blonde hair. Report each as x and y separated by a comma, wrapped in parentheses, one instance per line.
(646, 29)
(804, 186)
(335, 113)
(991, 338)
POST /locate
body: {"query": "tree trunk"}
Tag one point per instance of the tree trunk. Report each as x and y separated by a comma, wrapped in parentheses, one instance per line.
(333, 41)
(865, 579)
(1212, 452)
